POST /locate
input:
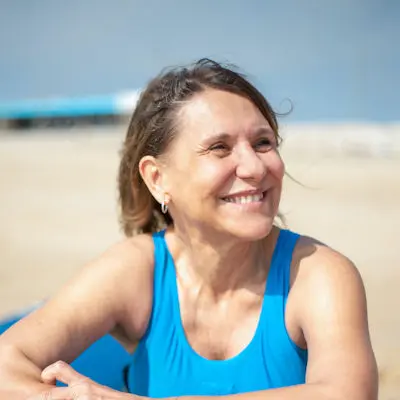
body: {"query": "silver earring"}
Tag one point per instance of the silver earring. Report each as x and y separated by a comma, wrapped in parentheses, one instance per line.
(164, 206)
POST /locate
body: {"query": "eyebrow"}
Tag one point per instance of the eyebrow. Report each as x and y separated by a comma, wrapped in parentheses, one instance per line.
(223, 136)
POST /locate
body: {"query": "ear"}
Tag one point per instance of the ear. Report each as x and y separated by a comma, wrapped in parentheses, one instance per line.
(151, 171)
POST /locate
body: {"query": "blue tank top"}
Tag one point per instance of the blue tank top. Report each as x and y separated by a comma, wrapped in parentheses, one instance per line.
(165, 365)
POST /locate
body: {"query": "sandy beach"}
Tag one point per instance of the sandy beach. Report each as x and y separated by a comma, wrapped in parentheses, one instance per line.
(58, 210)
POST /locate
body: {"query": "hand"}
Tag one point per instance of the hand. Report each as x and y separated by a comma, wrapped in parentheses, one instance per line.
(79, 387)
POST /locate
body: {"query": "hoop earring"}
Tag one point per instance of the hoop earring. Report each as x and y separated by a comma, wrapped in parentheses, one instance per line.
(164, 207)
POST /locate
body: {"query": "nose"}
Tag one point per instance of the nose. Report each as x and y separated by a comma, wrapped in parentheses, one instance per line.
(249, 165)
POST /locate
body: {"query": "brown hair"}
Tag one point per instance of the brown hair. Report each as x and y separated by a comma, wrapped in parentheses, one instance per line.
(152, 127)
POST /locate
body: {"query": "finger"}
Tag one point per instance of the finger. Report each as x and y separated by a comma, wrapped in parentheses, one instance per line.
(62, 372)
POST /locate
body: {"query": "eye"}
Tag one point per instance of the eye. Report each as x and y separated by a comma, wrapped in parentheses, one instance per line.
(264, 144)
(219, 149)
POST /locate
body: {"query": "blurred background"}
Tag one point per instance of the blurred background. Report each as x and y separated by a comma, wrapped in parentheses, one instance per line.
(70, 73)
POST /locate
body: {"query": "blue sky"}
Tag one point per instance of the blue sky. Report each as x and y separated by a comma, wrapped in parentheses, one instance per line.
(335, 60)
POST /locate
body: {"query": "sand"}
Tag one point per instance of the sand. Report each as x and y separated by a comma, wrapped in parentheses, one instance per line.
(58, 210)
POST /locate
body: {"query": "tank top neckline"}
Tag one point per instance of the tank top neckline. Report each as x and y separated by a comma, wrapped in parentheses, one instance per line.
(247, 350)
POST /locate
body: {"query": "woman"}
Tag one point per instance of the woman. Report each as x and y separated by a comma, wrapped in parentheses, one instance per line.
(208, 294)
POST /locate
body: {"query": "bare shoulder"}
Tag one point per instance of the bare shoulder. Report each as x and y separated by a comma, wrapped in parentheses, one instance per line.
(319, 271)
(128, 257)
(322, 281)
(129, 270)
(328, 300)
(327, 290)
(120, 275)
(315, 261)
(111, 293)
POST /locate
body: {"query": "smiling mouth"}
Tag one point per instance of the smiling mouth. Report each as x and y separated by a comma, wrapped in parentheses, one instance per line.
(247, 199)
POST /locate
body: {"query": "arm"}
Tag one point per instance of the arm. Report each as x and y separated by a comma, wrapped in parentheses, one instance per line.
(101, 299)
(329, 300)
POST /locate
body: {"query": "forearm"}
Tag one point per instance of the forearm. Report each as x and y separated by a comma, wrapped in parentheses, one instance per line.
(18, 375)
(300, 392)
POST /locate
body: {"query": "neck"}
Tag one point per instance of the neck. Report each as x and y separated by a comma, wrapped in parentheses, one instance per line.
(220, 265)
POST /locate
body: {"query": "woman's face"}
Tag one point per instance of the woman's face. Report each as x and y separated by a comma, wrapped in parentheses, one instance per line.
(224, 172)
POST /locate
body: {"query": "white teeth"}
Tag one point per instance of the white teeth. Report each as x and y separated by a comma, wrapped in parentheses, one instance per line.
(244, 199)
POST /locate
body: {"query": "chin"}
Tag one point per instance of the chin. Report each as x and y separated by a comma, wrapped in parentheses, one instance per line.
(250, 230)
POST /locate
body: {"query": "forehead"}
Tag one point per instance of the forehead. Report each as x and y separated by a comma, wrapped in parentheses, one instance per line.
(214, 111)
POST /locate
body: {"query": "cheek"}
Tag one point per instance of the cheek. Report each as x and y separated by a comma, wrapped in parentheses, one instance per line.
(214, 174)
(198, 180)
(276, 166)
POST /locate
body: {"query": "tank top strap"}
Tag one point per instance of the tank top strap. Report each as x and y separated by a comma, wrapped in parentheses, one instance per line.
(160, 276)
(278, 283)
(160, 261)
